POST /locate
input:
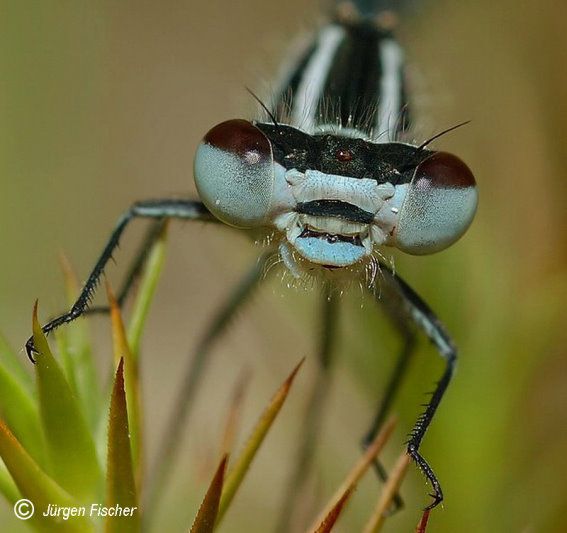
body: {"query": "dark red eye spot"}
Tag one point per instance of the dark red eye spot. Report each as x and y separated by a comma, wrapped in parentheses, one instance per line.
(344, 156)
(241, 138)
(446, 171)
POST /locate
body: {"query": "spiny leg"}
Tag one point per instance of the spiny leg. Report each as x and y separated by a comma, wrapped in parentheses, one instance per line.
(135, 269)
(416, 311)
(161, 209)
(315, 406)
(177, 422)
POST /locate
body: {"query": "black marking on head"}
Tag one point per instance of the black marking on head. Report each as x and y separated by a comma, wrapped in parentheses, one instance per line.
(384, 162)
(331, 238)
(335, 208)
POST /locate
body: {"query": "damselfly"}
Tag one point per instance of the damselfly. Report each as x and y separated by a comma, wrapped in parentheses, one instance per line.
(327, 179)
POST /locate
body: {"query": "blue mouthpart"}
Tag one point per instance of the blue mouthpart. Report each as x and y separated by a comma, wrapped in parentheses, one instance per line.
(339, 254)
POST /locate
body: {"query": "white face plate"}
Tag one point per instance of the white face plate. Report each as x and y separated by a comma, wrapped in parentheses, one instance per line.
(330, 240)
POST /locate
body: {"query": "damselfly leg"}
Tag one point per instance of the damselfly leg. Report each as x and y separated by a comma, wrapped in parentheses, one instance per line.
(417, 312)
(135, 269)
(160, 209)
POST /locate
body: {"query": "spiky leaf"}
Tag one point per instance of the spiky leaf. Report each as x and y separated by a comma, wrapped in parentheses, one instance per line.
(20, 413)
(333, 515)
(12, 363)
(358, 470)
(148, 286)
(7, 486)
(131, 383)
(120, 485)
(35, 485)
(207, 515)
(242, 464)
(391, 487)
(76, 355)
(70, 447)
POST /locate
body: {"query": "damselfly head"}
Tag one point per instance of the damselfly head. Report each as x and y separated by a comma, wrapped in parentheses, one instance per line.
(333, 199)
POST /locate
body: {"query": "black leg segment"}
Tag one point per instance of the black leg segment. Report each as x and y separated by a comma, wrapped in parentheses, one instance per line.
(160, 209)
(135, 268)
(416, 311)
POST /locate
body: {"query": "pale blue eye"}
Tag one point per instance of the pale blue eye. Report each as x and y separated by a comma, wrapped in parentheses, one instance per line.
(439, 205)
(234, 173)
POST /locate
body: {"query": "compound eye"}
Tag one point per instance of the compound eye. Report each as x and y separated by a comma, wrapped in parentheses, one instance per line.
(234, 173)
(439, 206)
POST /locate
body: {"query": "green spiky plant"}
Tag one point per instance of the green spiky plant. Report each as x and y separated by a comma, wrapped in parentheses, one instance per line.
(68, 443)
(56, 433)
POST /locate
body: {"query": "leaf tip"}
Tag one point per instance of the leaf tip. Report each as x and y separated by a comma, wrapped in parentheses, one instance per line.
(206, 517)
(112, 301)
(35, 321)
(119, 375)
(66, 268)
(422, 526)
(333, 515)
(288, 382)
(38, 335)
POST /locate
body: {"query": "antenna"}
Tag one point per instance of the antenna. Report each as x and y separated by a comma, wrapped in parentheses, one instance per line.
(436, 136)
(264, 107)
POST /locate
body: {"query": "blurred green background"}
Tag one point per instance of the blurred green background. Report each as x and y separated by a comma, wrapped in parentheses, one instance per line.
(103, 103)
